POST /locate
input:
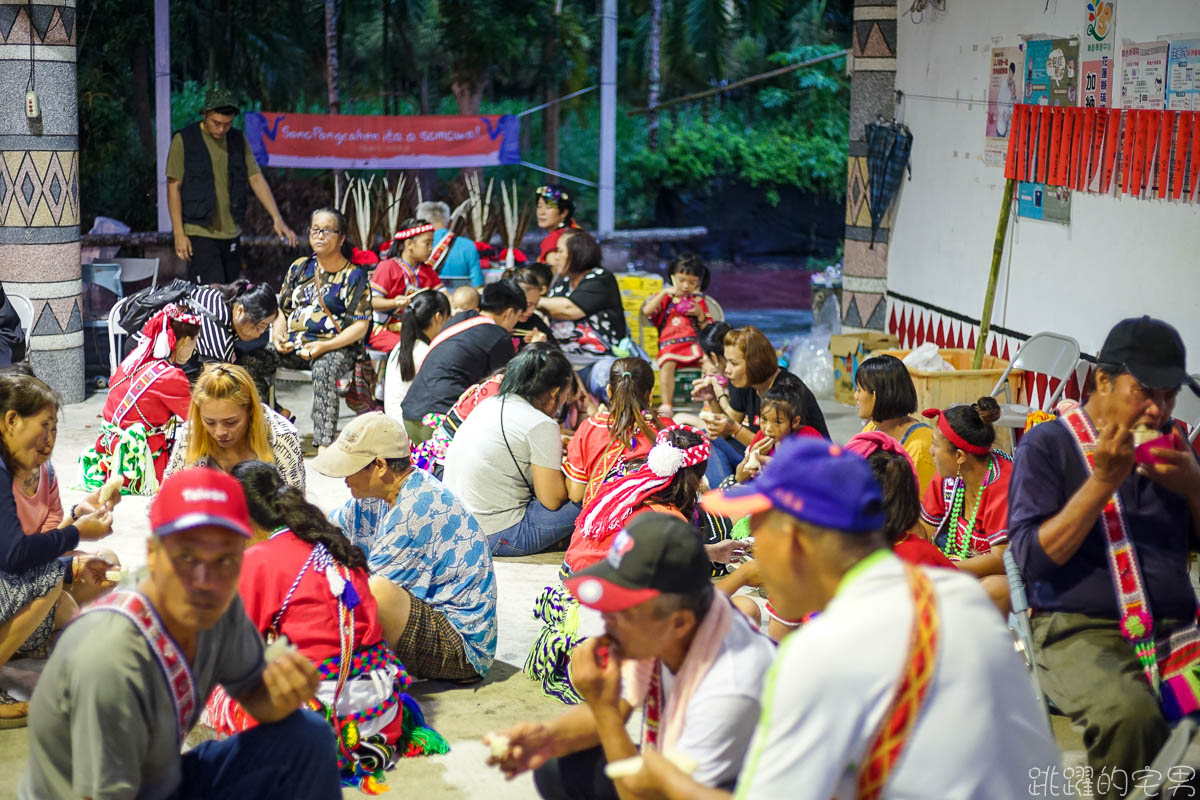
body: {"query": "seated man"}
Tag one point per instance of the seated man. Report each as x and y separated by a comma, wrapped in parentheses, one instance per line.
(431, 568)
(130, 675)
(1072, 521)
(901, 663)
(672, 646)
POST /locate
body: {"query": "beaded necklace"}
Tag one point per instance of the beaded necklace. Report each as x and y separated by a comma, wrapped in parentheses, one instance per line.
(958, 547)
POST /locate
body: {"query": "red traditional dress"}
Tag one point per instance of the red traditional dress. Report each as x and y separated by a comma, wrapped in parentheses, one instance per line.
(593, 453)
(147, 393)
(295, 589)
(678, 336)
(970, 535)
(551, 241)
(393, 278)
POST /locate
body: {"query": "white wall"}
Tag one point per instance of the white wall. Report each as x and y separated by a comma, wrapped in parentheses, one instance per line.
(1119, 257)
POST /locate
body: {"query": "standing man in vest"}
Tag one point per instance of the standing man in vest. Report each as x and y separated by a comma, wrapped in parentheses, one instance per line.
(864, 699)
(206, 192)
(1084, 502)
(455, 258)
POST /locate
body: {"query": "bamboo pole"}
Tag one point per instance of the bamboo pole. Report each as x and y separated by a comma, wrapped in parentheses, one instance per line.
(989, 297)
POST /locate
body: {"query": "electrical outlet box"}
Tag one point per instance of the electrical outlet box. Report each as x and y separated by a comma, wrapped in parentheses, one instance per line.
(33, 109)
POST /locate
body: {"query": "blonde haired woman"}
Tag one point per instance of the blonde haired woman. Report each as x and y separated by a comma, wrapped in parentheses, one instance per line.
(228, 423)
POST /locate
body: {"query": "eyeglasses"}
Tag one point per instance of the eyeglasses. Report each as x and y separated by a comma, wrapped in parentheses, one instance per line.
(321, 233)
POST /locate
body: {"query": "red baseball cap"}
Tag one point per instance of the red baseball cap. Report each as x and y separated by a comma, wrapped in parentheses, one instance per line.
(199, 496)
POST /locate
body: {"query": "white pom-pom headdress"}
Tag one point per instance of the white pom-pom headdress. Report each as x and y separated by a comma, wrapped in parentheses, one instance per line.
(607, 511)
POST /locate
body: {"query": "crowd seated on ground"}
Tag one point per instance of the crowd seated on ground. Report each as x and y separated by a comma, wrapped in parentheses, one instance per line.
(228, 424)
(148, 394)
(505, 461)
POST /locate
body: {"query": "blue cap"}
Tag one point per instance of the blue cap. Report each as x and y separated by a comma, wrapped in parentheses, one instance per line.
(814, 481)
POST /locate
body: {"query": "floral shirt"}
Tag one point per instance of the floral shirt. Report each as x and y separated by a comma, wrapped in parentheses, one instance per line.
(346, 296)
(431, 546)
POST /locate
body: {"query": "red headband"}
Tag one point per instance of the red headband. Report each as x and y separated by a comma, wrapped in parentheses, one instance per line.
(952, 436)
(411, 232)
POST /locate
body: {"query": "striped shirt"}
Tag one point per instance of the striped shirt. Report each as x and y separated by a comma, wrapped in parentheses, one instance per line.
(216, 326)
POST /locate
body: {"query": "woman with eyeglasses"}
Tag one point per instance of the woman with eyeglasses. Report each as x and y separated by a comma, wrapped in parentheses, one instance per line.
(325, 306)
(555, 214)
(227, 423)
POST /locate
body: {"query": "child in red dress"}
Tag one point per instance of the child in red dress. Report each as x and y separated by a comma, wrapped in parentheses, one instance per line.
(781, 416)
(397, 278)
(679, 311)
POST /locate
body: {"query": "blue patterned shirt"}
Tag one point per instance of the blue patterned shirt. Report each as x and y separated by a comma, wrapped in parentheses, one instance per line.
(430, 545)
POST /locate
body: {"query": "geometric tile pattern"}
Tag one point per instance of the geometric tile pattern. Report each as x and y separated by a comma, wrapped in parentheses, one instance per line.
(858, 203)
(39, 188)
(52, 25)
(914, 325)
(874, 39)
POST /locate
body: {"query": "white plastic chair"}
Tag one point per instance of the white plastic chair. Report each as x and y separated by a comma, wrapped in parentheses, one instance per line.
(1051, 354)
(138, 269)
(114, 331)
(24, 308)
(1187, 409)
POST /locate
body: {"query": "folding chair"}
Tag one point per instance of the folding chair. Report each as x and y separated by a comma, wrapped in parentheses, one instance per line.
(138, 269)
(1018, 622)
(114, 331)
(1051, 354)
(1187, 409)
(24, 308)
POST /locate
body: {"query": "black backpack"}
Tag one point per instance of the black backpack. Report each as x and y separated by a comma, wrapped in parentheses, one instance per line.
(137, 309)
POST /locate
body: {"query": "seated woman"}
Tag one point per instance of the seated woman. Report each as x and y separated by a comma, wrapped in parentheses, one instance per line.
(627, 430)
(35, 566)
(394, 282)
(227, 424)
(584, 306)
(424, 317)
(326, 314)
(303, 580)
(887, 399)
(147, 393)
(668, 482)
(505, 463)
(752, 368)
(965, 505)
(534, 279)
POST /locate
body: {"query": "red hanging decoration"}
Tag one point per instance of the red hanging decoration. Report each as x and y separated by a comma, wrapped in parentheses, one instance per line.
(1066, 147)
(1181, 154)
(1087, 157)
(1112, 127)
(1195, 171)
(1056, 132)
(1152, 121)
(1128, 148)
(1010, 158)
(1166, 134)
(1043, 145)
(1022, 118)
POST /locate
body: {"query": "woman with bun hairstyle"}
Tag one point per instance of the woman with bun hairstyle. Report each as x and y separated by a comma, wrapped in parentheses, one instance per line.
(965, 506)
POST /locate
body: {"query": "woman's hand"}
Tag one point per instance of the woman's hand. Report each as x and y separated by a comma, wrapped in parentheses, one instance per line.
(401, 301)
(91, 569)
(283, 344)
(314, 349)
(719, 426)
(94, 526)
(535, 336)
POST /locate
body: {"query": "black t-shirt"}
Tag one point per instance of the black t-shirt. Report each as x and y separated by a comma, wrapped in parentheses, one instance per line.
(455, 364)
(749, 403)
(599, 298)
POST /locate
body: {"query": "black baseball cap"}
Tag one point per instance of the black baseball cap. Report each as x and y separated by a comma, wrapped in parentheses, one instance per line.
(1151, 350)
(654, 554)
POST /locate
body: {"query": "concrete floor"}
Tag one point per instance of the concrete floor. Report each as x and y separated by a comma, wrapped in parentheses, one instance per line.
(462, 715)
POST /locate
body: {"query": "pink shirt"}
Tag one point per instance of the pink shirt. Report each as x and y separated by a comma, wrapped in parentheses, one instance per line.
(42, 512)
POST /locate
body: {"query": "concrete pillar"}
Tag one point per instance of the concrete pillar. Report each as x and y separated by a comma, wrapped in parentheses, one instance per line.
(872, 94)
(39, 184)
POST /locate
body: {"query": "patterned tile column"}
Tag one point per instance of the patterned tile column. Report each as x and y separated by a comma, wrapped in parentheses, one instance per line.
(39, 184)
(872, 93)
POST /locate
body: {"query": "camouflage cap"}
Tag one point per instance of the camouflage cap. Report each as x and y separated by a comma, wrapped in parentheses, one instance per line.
(219, 97)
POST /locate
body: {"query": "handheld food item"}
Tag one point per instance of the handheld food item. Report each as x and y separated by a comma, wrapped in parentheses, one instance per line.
(278, 648)
(1144, 444)
(499, 744)
(111, 487)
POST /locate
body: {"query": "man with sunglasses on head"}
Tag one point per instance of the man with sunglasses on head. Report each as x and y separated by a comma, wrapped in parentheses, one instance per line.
(209, 168)
(1104, 505)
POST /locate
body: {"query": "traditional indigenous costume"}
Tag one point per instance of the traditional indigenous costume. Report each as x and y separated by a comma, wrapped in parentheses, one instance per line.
(393, 278)
(594, 453)
(552, 195)
(148, 393)
(430, 455)
(598, 523)
(678, 334)
(296, 589)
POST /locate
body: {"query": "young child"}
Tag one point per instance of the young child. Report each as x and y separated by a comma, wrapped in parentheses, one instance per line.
(781, 416)
(679, 311)
(397, 278)
(464, 298)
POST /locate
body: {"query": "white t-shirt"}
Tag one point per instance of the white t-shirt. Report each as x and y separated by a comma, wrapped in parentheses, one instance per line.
(980, 731)
(482, 472)
(721, 715)
(395, 387)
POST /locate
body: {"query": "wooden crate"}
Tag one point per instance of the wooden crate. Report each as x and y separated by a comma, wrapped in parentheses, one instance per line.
(963, 385)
